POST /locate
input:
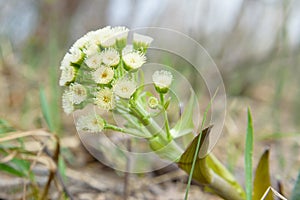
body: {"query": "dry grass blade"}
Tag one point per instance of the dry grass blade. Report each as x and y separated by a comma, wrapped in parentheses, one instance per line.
(45, 160)
(9, 157)
(16, 135)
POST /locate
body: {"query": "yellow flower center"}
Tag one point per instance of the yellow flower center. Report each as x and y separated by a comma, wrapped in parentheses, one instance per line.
(106, 99)
(132, 60)
(104, 75)
(79, 91)
(124, 89)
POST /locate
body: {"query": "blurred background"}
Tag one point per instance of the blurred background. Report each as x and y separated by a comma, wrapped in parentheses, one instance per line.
(255, 45)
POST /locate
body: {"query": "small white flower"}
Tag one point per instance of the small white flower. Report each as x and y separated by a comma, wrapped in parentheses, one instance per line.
(133, 60)
(66, 61)
(78, 93)
(120, 32)
(91, 123)
(104, 37)
(153, 102)
(105, 99)
(142, 39)
(127, 49)
(162, 80)
(124, 88)
(81, 42)
(90, 49)
(67, 75)
(67, 102)
(76, 55)
(103, 75)
(92, 38)
(110, 57)
(94, 61)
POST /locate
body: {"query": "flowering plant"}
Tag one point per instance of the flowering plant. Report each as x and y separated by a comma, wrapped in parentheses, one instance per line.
(103, 70)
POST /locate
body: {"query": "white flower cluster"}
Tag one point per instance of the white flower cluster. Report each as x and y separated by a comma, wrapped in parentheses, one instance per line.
(100, 69)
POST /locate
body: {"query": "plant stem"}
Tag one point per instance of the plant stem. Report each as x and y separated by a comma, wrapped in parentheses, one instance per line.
(122, 130)
(162, 101)
(224, 189)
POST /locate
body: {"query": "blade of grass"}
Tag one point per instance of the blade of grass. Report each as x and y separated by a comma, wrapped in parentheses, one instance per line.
(9, 169)
(53, 50)
(46, 110)
(248, 157)
(198, 148)
(62, 168)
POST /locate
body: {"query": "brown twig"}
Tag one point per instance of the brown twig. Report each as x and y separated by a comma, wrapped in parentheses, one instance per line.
(57, 173)
(52, 172)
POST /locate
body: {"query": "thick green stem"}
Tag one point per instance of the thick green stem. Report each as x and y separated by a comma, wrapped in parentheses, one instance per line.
(223, 172)
(159, 142)
(224, 189)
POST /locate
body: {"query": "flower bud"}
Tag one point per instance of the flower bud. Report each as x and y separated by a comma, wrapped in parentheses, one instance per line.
(153, 102)
(141, 42)
(162, 81)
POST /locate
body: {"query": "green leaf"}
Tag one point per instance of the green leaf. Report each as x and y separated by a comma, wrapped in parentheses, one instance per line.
(296, 190)
(62, 168)
(21, 165)
(185, 124)
(9, 169)
(167, 103)
(17, 167)
(248, 157)
(46, 110)
(262, 178)
(201, 170)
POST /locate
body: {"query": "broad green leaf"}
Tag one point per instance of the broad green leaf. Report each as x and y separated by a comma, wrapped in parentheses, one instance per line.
(46, 110)
(262, 178)
(201, 170)
(185, 124)
(296, 190)
(248, 157)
